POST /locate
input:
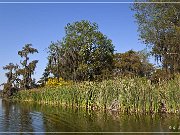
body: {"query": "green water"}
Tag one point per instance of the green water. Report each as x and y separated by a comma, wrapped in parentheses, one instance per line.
(25, 117)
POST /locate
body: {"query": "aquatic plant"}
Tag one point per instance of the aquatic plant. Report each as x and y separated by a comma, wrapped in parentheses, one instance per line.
(132, 94)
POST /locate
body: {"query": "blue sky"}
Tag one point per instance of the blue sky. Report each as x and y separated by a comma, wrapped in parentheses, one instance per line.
(40, 24)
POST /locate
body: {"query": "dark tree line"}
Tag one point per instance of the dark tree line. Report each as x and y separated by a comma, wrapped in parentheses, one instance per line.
(86, 54)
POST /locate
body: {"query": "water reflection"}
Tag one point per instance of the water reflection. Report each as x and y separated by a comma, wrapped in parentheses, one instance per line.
(17, 118)
(23, 117)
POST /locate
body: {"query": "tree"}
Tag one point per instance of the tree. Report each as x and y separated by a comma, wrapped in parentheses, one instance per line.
(147, 67)
(54, 58)
(83, 54)
(44, 77)
(159, 27)
(11, 74)
(132, 63)
(27, 68)
(11, 85)
(14, 83)
(160, 75)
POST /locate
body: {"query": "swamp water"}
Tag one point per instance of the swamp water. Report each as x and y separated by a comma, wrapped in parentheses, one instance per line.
(25, 117)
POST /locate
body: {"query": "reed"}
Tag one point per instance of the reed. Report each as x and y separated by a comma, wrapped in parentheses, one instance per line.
(134, 95)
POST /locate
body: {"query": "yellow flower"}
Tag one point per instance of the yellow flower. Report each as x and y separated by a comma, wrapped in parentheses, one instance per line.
(55, 82)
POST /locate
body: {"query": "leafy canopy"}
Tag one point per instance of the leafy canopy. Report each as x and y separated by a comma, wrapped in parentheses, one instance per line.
(159, 27)
(83, 54)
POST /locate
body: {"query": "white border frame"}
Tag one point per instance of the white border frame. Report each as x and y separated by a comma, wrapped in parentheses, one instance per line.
(77, 2)
(88, 132)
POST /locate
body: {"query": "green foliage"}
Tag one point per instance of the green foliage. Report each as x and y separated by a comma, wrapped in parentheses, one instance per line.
(27, 49)
(12, 80)
(84, 53)
(20, 78)
(159, 27)
(44, 78)
(11, 74)
(133, 95)
(161, 75)
(54, 58)
(27, 68)
(132, 63)
(15, 73)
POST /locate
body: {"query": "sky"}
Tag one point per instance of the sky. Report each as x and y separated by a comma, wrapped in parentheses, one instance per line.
(40, 24)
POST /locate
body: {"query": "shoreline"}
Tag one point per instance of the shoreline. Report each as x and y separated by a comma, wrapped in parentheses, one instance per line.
(89, 109)
(129, 95)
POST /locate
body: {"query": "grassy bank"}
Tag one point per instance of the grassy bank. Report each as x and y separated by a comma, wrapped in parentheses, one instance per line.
(132, 95)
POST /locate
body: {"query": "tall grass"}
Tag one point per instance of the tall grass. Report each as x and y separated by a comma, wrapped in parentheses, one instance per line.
(132, 94)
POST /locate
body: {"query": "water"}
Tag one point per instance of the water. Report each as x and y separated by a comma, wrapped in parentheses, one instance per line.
(25, 117)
